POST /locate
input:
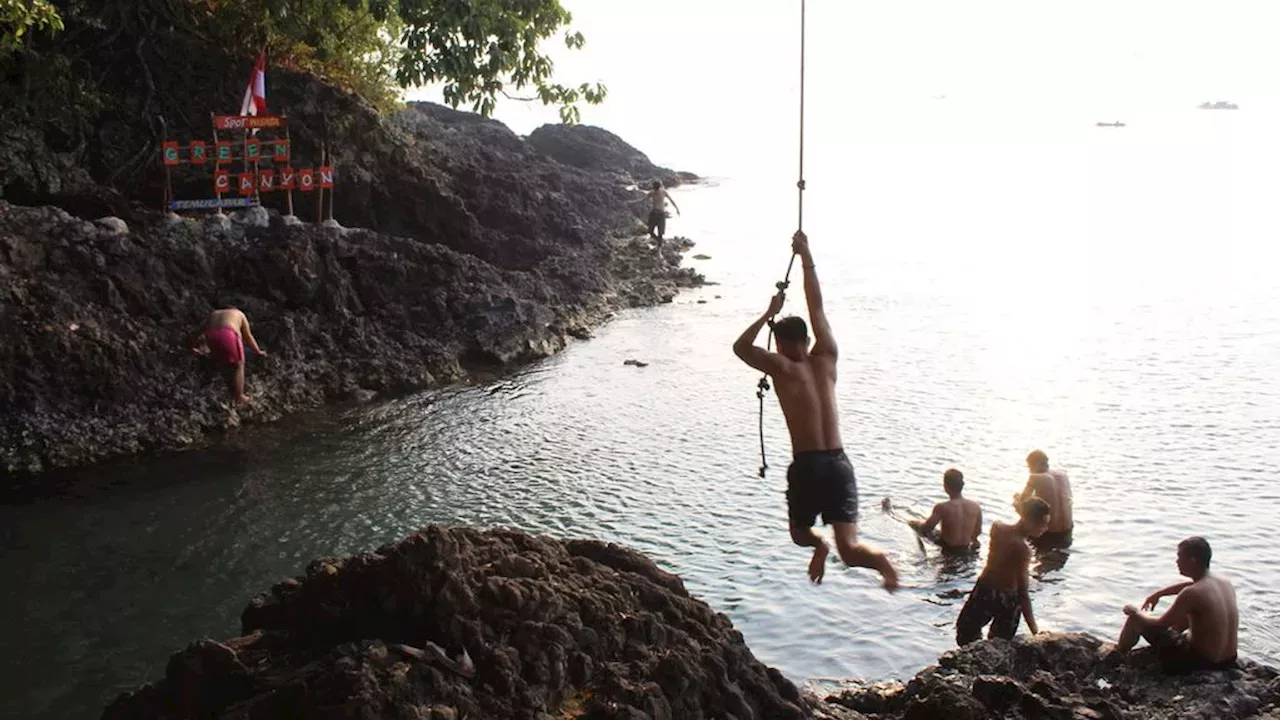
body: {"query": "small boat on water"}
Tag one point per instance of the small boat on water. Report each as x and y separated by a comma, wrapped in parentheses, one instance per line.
(1110, 124)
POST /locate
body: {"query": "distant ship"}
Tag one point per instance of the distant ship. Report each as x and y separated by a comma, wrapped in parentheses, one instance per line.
(1220, 105)
(1110, 124)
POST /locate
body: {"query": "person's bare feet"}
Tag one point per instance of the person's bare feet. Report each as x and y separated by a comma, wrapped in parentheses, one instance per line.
(243, 400)
(818, 565)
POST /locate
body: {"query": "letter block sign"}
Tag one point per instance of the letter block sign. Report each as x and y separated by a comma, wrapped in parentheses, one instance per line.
(266, 180)
(253, 148)
(224, 152)
(199, 152)
(326, 176)
(248, 183)
(280, 151)
(288, 179)
(307, 180)
(221, 181)
(170, 150)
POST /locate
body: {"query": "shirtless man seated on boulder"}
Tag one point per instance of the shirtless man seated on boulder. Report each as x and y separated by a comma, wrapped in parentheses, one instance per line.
(1001, 595)
(224, 331)
(820, 480)
(1205, 608)
(960, 518)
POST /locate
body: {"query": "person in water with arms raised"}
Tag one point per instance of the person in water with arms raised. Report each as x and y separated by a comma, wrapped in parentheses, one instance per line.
(820, 480)
(1054, 487)
(960, 517)
(1001, 595)
(658, 199)
(1205, 606)
(224, 332)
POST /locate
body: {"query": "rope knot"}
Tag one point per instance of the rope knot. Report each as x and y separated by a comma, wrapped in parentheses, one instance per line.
(800, 184)
(782, 285)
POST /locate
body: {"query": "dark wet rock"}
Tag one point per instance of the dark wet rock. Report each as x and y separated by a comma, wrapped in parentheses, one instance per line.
(1061, 677)
(701, 256)
(500, 256)
(555, 630)
(338, 313)
(593, 148)
(635, 363)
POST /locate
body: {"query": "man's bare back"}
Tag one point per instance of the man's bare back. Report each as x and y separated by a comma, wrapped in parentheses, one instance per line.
(1054, 488)
(960, 522)
(807, 393)
(231, 318)
(1008, 558)
(1214, 617)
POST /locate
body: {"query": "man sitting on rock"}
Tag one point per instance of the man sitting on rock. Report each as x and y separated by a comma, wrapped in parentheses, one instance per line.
(224, 332)
(1205, 607)
(1055, 488)
(960, 518)
(820, 480)
(1001, 596)
(658, 198)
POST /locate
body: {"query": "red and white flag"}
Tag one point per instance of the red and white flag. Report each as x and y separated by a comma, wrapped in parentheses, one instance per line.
(255, 94)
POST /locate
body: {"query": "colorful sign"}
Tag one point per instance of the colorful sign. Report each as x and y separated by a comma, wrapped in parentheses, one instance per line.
(280, 153)
(252, 149)
(169, 151)
(266, 180)
(247, 183)
(209, 203)
(247, 122)
(225, 154)
(326, 177)
(221, 181)
(307, 180)
(199, 152)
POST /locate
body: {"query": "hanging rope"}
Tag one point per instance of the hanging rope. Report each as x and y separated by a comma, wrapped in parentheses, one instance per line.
(763, 386)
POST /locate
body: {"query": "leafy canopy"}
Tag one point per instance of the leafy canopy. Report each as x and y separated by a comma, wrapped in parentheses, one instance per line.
(478, 49)
(19, 16)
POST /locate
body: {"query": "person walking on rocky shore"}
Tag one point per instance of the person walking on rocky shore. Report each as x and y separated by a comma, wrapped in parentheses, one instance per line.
(224, 332)
(658, 198)
(1205, 607)
(820, 480)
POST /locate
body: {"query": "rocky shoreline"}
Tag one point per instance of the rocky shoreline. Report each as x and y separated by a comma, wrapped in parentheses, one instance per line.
(493, 253)
(453, 623)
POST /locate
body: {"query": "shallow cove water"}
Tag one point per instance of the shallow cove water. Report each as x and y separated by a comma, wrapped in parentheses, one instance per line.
(1110, 302)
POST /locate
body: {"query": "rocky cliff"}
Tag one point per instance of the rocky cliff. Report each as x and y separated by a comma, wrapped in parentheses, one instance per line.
(94, 318)
(458, 623)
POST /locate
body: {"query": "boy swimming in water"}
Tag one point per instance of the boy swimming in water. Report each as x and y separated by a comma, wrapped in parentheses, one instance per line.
(960, 518)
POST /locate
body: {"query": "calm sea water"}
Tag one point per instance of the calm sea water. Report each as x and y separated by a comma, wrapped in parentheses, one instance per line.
(1109, 298)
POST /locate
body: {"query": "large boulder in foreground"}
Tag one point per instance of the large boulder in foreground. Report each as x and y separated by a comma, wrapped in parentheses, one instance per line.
(1064, 677)
(553, 630)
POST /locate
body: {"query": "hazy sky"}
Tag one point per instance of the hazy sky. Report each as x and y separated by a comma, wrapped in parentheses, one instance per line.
(695, 80)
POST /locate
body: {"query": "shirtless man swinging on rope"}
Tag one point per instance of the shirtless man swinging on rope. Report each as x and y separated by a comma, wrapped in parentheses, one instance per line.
(820, 480)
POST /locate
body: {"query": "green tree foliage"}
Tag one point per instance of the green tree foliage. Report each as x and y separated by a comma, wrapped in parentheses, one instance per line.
(478, 49)
(17, 17)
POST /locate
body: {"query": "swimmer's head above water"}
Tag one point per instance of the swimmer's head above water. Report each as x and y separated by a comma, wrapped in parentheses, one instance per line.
(953, 482)
(1035, 516)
